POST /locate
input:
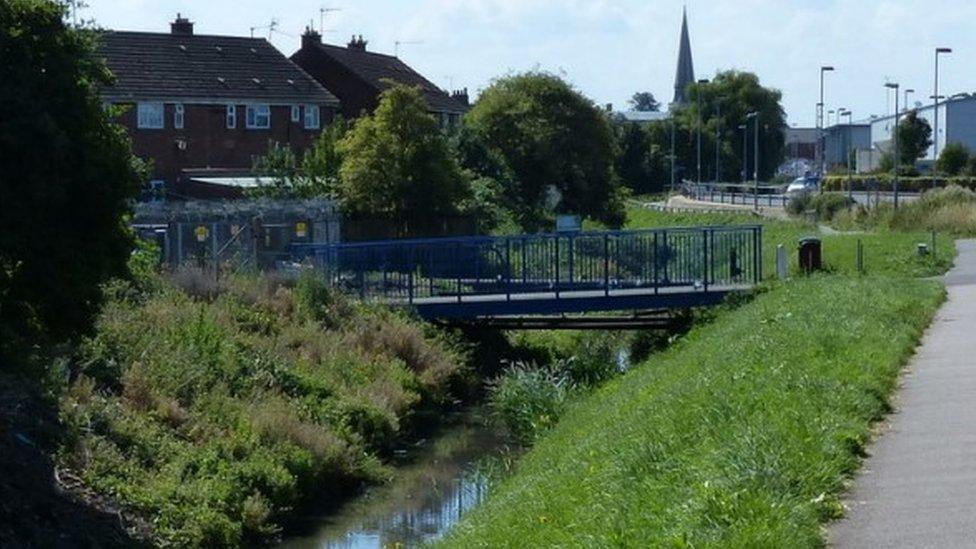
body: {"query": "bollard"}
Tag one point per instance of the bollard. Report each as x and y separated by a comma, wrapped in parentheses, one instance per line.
(781, 270)
(860, 256)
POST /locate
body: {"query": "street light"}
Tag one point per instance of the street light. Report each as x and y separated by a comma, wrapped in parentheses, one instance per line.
(755, 168)
(698, 91)
(936, 97)
(847, 151)
(896, 155)
(820, 135)
(745, 157)
(718, 140)
(673, 122)
(907, 91)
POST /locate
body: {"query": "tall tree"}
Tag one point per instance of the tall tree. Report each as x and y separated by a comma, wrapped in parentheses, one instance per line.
(644, 101)
(557, 146)
(914, 138)
(725, 103)
(68, 177)
(397, 164)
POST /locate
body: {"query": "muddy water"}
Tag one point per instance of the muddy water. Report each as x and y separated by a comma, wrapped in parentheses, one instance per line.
(436, 482)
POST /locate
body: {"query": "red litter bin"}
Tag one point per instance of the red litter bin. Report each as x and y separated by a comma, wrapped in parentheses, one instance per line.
(811, 258)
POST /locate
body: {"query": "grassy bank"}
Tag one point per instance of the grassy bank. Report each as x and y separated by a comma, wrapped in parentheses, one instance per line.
(888, 250)
(213, 410)
(740, 435)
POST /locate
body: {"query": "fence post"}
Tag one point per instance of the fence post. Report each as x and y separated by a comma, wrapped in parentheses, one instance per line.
(705, 258)
(606, 264)
(657, 283)
(457, 255)
(557, 266)
(508, 269)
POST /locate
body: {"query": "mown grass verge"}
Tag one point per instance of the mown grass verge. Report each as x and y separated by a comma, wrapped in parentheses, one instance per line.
(740, 435)
(887, 251)
(214, 410)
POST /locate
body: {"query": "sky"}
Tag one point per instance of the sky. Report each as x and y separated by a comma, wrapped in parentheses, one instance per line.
(609, 49)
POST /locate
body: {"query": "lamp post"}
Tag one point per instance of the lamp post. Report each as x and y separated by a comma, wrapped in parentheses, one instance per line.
(755, 168)
(673, 122)
(936, 97)
(698, 91)
(896, 155)
(745, 158)
(718, 141)
(820, 125)
(907, 91)
(847, 151)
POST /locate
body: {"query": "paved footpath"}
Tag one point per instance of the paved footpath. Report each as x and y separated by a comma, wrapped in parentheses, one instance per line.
(918, 488)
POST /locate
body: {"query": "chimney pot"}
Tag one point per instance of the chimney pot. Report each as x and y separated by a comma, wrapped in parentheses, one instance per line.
(181, 25)
(310, 38)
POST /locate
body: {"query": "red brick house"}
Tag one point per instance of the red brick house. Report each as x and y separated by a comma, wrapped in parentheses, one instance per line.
(203, 107)
(357, 76)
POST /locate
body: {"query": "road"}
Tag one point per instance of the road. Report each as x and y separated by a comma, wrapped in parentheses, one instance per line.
(918, 488)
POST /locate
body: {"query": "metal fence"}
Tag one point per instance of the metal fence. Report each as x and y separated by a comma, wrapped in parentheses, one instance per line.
(409, 270)
(256, 233)
(736, 194)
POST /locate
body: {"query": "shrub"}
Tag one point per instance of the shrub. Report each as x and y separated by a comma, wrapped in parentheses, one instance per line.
(953, 159)
(799, 204)
(528, 400)
(829, 204)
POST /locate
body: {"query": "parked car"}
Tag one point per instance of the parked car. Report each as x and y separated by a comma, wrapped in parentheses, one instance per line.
(801, 185)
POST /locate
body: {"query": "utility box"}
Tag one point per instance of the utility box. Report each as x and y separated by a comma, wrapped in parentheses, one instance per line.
(811, 257)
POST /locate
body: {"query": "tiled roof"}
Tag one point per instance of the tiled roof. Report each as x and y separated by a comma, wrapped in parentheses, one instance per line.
(201, 67)
(375, 67)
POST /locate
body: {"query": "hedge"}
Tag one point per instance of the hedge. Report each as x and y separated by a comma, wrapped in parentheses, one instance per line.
(884, 182)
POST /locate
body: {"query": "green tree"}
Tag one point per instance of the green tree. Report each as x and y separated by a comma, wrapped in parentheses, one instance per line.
(555, 144)
(914, 138)
(645, 102)
(953, 159)
(315, 175)
(725, 103)
(641, 164)
(397, 164)
(68, 177)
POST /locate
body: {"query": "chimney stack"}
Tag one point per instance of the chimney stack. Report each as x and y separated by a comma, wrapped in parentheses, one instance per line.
(310, 38)
(182, 25)
(461, 96)
(357, 43)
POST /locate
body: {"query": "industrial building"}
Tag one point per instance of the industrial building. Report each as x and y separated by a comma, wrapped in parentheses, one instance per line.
(957, 124)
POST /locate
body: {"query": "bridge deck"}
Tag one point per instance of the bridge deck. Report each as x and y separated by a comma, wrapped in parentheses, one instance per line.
(454, 278)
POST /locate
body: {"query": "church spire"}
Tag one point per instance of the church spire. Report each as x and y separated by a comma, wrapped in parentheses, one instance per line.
(686, 70)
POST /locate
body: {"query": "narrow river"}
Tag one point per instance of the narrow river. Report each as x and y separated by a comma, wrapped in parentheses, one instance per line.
(437, 480)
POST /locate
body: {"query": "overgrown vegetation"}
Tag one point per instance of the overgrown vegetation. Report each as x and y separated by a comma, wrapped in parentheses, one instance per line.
(950, 210)
(217, 408)
(740, 435)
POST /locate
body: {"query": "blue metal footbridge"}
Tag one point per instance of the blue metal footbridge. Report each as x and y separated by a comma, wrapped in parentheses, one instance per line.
(469, 278)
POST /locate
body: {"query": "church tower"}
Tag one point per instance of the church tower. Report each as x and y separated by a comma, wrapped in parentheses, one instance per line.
(686, 69)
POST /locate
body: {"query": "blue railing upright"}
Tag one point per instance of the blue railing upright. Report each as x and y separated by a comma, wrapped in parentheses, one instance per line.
(699, 258)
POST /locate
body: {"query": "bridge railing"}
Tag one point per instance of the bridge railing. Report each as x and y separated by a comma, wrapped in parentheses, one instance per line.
(698, 258)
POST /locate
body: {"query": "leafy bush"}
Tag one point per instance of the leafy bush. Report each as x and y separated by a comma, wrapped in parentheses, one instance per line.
(799, 204)
(953, 159)
(828, 204)
(216, 413)
(528, 400)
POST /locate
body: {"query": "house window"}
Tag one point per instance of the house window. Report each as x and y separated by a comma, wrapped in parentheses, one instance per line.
(150, 116)
(231, 117)
(296, 113)
(312, 121)
(178, 116)
(258, 117)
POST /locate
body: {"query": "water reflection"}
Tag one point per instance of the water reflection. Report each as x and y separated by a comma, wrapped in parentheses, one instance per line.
(436, 485)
